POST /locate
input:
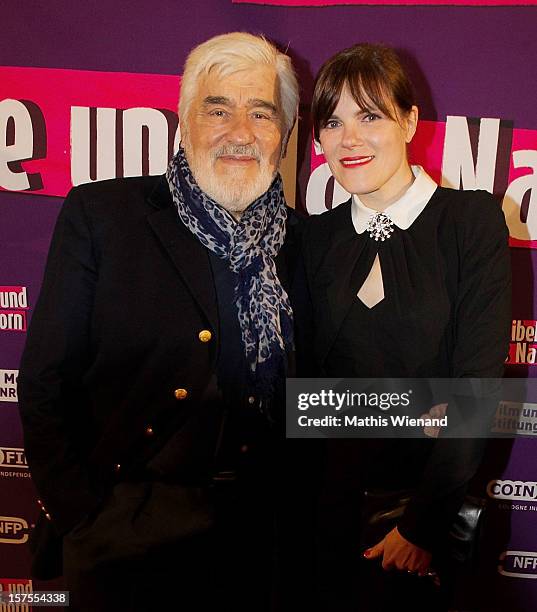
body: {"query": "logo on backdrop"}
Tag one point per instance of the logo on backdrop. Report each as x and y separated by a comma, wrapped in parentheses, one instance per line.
(518, 564)
(523, 344)
(14, 460)
(126, 125)
(15, 585)
(13, 530)
(521, 494)
(462, 153)
(515, 418)
(8, 385)
(13, 307)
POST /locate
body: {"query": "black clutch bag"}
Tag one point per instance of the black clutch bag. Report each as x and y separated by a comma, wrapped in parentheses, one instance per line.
(382, 510)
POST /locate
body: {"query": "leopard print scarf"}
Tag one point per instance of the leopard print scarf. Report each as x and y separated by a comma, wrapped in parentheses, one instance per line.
(249, 246)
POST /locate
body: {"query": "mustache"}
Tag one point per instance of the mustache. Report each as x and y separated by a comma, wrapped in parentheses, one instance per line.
(246, 150)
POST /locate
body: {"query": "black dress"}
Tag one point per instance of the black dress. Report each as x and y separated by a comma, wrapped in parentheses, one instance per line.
(445, 313)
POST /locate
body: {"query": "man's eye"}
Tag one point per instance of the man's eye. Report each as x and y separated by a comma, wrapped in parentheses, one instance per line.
(218, 113)
(261, 116)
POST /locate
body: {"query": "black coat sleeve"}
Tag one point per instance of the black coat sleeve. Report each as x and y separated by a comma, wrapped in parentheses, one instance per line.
(54, 361)
(481, 323)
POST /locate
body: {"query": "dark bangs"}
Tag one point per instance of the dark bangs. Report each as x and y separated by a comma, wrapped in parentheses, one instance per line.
(374, 76)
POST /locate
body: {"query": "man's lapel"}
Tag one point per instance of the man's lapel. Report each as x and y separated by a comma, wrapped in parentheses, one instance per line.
(188, 255)
(287, 258)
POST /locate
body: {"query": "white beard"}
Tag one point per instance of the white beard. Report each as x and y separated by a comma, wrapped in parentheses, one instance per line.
(232, 192)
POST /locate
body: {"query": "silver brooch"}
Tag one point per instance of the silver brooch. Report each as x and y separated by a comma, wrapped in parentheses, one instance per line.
(380, 226)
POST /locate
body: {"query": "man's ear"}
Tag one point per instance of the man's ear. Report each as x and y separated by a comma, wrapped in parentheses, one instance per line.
(285, 142)
(284, 147)
(182, 131)
(285, 139)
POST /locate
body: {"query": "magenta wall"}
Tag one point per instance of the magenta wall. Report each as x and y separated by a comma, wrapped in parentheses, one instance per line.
(470, 63)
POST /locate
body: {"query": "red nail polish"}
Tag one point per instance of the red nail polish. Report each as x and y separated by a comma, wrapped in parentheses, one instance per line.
(367, 553)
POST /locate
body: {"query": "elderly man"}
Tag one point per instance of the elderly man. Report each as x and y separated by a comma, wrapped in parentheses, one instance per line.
(150, 385)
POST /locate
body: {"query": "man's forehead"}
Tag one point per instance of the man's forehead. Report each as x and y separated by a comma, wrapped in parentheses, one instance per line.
(241, 87)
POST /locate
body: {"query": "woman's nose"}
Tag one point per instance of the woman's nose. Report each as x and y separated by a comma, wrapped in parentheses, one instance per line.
(352, 135)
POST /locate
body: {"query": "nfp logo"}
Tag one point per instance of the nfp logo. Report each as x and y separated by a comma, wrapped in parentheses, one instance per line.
(518, 564)
(512, 489)
(13, 530)
(13, 458)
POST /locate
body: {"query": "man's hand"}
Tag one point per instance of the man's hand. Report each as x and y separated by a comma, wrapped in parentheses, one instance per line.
(399, 553)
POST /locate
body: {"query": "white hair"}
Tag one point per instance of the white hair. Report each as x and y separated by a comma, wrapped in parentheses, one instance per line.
(230, 53)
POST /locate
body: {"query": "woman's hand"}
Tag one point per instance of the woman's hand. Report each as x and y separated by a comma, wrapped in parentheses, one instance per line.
(436, 412)
(399, 553)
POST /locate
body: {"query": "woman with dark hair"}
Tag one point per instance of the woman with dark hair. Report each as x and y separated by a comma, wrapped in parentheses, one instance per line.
(409, 280)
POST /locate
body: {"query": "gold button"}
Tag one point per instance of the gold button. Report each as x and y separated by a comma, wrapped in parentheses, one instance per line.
(251, 399)
(149, 430)
(117, 467)
(47, 515)
(180, 394)
(205, 335)
(40, 503)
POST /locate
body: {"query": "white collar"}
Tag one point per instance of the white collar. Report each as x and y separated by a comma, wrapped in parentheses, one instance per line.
(405, 210)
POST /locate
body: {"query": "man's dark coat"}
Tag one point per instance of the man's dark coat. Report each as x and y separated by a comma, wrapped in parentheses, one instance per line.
(115, 334)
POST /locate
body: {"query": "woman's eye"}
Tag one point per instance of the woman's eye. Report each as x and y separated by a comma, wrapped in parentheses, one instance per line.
(369, 117)
(330, 125)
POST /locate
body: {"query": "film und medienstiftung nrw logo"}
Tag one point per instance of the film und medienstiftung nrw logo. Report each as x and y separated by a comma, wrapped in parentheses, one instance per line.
(8, 385)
